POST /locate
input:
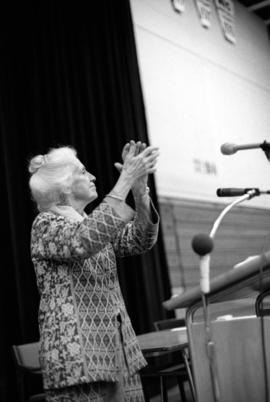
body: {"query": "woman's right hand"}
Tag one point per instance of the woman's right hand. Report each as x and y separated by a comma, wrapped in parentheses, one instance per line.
(144, 163)
(135, 168)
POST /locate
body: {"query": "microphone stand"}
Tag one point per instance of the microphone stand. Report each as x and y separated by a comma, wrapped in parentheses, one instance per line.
(217, 222)
(210, 344)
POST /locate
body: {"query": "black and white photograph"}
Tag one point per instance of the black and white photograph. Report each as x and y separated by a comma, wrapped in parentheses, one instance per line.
(135, 165)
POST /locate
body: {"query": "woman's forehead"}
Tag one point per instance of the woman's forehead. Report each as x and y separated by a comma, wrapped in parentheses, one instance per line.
(79, 165)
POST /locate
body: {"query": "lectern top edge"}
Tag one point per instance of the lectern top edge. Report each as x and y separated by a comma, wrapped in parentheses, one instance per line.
(243, 275)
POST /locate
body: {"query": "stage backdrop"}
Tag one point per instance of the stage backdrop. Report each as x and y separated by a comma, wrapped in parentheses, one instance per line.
(68, 75)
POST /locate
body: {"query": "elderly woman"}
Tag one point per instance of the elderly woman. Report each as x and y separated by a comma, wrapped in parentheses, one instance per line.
(88, 348)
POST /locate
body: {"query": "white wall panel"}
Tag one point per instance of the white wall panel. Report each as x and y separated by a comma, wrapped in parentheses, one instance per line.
(201, 91)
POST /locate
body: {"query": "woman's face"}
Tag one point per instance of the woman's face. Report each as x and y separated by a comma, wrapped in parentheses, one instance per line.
(83, 188)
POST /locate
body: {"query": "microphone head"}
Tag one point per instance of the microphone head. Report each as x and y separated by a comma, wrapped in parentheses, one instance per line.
(228, 148)
(202, 244)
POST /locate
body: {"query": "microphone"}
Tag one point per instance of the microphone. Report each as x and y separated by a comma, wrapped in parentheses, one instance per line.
(229, 148)
(235, 192)
(202, 244)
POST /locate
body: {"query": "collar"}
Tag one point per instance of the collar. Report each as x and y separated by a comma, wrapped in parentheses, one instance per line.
(68, 212)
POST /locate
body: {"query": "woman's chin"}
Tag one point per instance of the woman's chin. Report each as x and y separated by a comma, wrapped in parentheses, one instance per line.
(93, 196)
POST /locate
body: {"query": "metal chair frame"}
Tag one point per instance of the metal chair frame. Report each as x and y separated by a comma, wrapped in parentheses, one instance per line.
(27, 363)
(261, 311)
(181, 371)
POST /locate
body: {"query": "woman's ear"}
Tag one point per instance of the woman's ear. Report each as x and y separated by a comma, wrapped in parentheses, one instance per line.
(68, 190)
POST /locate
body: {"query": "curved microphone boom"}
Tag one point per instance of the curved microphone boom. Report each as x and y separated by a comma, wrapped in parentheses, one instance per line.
(203, 244)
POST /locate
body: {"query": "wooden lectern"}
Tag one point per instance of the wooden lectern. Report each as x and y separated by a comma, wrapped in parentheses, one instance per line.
(236, 355)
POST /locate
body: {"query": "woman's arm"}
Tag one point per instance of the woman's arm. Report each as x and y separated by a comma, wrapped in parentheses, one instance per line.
(139, 161)
(139, 235)
(58, 238)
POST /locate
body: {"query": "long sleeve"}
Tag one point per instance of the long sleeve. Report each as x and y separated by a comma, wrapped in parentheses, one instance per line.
(139, 235)
(58, 238)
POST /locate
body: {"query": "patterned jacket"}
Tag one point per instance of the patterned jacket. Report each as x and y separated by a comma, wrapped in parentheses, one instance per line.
(80, 297)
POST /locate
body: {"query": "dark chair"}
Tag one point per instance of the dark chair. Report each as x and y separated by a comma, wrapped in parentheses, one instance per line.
(169, 365)
(262, 305)
(169, 324)
(27, 365)
(179, 358)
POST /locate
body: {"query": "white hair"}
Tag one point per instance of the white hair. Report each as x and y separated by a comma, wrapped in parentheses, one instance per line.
(51, 175)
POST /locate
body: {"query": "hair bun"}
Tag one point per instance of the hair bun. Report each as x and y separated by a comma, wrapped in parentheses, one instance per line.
(36, 163)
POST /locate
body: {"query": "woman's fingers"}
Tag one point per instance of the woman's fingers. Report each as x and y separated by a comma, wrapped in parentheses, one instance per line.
(140, 159)
(138, 146)
(118, 166)
(151, 160)
(125, 151)
(132, 148)
(152, 156)
(126, 147)
(142, 147)
(150, 167)
(152, 170)
(149, 150)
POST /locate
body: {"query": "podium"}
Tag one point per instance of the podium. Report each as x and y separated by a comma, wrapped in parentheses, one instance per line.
(236, 356)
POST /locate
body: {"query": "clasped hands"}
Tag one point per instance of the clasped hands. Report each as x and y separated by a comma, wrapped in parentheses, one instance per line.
(139, 160)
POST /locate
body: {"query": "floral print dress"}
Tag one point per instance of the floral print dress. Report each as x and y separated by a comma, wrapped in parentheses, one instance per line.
(80, 298)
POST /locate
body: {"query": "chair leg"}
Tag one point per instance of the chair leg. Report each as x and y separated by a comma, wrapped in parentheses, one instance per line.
(20, 387)
(181, 389)
(190, 378)
(163, 389)
(146, 396)
(145, 389)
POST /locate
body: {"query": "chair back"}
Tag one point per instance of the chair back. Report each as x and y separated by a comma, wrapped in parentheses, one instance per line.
(26, 356)
(262, 302)
(169, 324)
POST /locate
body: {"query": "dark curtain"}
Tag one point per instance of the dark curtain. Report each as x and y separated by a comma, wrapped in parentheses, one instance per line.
(68, 76)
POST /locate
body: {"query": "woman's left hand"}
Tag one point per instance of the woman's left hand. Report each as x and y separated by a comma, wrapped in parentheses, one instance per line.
(140, 186)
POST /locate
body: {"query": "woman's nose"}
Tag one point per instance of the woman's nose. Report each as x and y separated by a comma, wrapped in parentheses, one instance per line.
(92, 177)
